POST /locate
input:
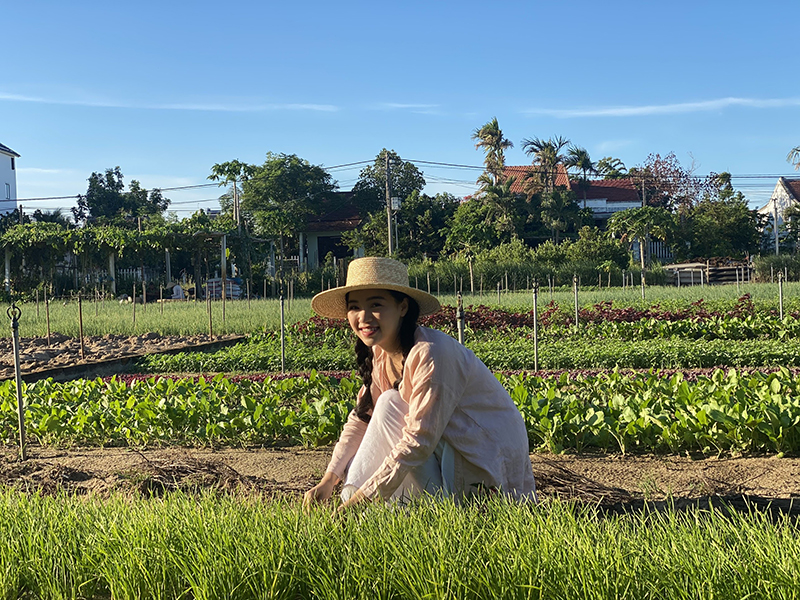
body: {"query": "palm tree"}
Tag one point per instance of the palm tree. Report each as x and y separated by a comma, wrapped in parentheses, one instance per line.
(609, 167)
(794, 157)
(559, 211)
(546, 159)
(641, 224)
(578, 158)
(491, 141)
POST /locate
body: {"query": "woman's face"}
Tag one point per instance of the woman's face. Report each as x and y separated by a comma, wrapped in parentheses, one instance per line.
(375, 317)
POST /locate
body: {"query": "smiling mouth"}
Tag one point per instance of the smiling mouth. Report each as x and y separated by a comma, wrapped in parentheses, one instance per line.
(368, 330)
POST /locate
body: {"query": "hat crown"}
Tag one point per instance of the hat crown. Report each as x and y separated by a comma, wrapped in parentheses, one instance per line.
(377, 271)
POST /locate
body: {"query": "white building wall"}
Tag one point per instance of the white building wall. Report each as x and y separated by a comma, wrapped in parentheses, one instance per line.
(8, 183)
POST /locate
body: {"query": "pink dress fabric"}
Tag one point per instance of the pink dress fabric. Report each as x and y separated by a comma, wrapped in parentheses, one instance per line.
(452, 396)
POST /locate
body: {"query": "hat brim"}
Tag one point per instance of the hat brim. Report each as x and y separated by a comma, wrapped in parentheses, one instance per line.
(333, 303)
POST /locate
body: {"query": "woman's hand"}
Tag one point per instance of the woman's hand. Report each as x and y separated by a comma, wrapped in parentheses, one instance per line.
(357, 498)
(321, 492)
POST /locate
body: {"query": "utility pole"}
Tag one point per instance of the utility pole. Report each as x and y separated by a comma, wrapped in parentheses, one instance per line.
(388, 205)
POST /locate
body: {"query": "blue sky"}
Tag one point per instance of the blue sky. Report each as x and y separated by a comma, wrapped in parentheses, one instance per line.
(167, 89)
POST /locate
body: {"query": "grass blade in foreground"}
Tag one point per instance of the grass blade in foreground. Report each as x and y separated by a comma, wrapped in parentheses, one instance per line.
(227, 548)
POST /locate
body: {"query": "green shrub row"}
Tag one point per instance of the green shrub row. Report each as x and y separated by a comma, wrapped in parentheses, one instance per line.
(614, 410)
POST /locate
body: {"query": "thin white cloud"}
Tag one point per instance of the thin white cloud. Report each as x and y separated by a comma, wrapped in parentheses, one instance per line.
(207, 107)
(403, 106)
(40, 171)
(663, 109)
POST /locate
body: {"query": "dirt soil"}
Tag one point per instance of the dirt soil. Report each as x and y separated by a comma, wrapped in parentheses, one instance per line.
(612, 481)
(63, 351)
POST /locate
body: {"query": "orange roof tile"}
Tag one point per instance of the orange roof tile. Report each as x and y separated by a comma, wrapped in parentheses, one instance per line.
(613, 190)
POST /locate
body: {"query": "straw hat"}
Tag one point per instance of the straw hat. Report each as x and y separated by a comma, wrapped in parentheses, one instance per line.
(368, 274)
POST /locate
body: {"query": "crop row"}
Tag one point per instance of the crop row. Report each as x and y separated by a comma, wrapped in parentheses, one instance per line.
(499, 352)
(235, 549)
(696, 321)
(614, 410)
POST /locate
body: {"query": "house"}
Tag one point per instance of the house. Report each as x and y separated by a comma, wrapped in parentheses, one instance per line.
(323, 232)
(8, 179)
(603, 196)
(785, 194)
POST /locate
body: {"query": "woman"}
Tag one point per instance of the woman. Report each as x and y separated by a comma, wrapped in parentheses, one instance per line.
(430, 415)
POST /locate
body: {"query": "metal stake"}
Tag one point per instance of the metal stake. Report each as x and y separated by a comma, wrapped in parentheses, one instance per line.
(780, 294)
(283, 339)
(80, 326)
(575, 292)
(14, 313)
(460, 318)
(535, 325)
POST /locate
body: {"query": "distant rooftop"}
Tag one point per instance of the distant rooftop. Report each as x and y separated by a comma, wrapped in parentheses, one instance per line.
(6, 150)
(612, 190)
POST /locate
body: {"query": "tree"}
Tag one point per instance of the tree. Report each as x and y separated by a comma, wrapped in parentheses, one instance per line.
(107, 201)
(423, 222)
(666, 183)
(282, 193)
(598, 247)
(578, 158)
(609, 167)
(639, 224)
(559, 211)
(490, 139)
(52, 216)
(369, 192)
(546, 158)
(233, 171)
(722, 224)
(794, 157)
(471, 228)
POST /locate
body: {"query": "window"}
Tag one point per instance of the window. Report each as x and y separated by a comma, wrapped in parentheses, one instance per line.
(8, 191)
(13, 166)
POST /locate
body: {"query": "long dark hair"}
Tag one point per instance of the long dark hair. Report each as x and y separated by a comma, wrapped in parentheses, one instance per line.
(408, 326)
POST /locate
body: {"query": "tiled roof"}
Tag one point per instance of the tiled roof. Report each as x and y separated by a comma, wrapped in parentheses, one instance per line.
(613, 190)
(7, 150)
(338, 214)
(793, 185)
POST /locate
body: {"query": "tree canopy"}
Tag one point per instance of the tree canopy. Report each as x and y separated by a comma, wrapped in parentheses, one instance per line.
(107, 201)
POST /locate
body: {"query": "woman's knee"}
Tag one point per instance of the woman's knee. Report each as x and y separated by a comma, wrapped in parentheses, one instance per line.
(390, 406)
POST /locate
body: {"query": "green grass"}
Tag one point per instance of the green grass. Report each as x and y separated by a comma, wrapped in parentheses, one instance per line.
(189, 318)
(227, 548)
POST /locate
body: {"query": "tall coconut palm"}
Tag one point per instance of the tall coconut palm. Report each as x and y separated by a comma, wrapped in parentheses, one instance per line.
(609, 167)
(578, 158)
(490, 139)
(546, 158)
(794, 157)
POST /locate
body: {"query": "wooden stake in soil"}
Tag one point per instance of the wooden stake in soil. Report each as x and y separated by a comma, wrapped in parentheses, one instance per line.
(14, 313)
(144, 296)
(95, 302)
(780, 295)
(80, 326)
(161, 298)
(248, 293)
(37, 303)
(47, 314)
(133, 298)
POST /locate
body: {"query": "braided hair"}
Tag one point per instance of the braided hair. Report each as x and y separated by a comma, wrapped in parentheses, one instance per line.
(364, 356)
